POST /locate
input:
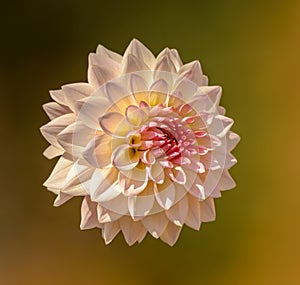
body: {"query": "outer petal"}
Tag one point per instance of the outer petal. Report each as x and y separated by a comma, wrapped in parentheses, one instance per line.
(54, 127)
(104, 52)
(171, 234)
(177, 214)
(110, 230)
(193, 219)
(207, 210)
(54, 110)
(137, 49)
(155, 224)
(131, 230)
(88, 214)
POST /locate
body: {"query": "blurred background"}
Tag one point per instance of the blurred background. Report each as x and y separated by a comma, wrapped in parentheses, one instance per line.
(251, 48)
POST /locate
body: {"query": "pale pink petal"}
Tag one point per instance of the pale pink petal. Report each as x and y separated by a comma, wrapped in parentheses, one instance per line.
(54, 110)
(101, 70)
(104, 52)
(177, 213)
(88, 214)
(193, 218)
(125, 157)
(106, 216)
(102, 183)
(110, 230)
(192, 71)
(207, 210)
(155, 223)
(137, 49)
(131, 230)
(131, 63)
(54, 127)
(115, 124)
(98, 151)
(171, 234)
(232, 140)
(165, 194)
(61, 199)
(53, 151)
(92, 108)
(140, 205)
(75, 137)
(75, 92)
(59, 173)
(156, 173)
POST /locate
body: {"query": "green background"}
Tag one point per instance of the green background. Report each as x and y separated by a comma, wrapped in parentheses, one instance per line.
(251, 48)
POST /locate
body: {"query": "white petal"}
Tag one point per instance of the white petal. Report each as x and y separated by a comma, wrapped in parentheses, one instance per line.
(232, 140)
(53, 151)
(226, 181)
(54, 110)
(140, 205)
(177, 213)
(75, 137)
(156, 173)
(192, 71)
(171, 234)
(156, 224)
(102, 183)
(76, 91)
(131, 182)
(59, 173)
(132, 64)
(88, 214)
(165, 194)
(125, 157)
(207, 210)
(61, 199)
(54, 127)
(101, 70)
(137, 49)
(115, 124)
(118, 205)
(193, 219)
(98, 151)
(131, 230)
(110, 230)
(137, 84)
(176, 59)
(104, 52)
(106, 216)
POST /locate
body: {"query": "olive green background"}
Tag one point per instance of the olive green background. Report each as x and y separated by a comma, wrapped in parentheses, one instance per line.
(251, 48)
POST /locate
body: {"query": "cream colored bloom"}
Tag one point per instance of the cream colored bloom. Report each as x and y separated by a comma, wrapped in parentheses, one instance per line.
(145, 142)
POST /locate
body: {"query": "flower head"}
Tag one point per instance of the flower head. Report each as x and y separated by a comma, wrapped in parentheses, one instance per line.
(145, 142)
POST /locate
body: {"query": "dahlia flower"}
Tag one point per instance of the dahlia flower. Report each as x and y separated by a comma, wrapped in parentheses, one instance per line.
(144, 142)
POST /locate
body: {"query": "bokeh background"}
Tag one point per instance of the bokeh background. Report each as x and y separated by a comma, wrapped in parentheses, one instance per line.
(251, 48)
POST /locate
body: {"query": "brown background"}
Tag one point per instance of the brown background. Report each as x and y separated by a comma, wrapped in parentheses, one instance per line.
(251, 48)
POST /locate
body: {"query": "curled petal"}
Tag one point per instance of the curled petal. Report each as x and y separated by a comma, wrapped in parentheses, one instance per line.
(125, 157)
(115, 124)
(165, 194)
